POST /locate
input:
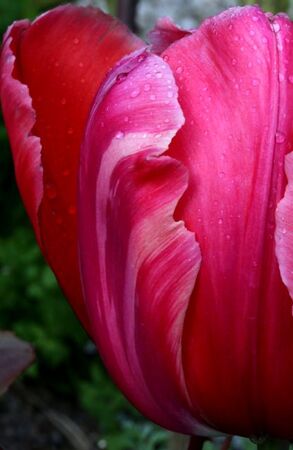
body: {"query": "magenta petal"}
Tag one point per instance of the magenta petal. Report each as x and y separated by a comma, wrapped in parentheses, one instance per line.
(235, 88)
(164, 34)
(20, 119)
(284, 230)
(138, 264)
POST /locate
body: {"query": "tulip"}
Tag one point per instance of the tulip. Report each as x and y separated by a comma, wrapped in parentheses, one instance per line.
(184, 218)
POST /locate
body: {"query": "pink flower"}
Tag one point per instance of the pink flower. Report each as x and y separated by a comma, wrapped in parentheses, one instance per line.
(184, 210)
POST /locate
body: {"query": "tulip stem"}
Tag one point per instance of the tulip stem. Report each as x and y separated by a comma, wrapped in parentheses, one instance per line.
(273, 444)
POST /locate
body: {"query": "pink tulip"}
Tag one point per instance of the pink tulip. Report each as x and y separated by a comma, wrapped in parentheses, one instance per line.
(184, 214)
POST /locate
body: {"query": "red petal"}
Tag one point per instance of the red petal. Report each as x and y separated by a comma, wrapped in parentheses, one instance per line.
(62, 58)
(20, 118)
(138, 264)
(234, 78)
(164, 34)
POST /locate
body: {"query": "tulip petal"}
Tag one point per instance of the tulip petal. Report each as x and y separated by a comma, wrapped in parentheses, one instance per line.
(164, 34)
(62, 58)
(234, 78)
(138, 264)
(284, 229)
(20, 118)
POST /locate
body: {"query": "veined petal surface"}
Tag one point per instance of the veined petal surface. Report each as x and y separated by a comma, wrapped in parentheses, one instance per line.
(138, 264)
(56, 66)
(235, 88)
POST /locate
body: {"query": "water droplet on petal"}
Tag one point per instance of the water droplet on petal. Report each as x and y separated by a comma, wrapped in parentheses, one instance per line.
(71, 210)
(280, 137)
(152, 97)
(65, 172)
(121, 77)
(179, 69)
(119, 135)
(141, 58)
(51, 191)
(255, 82)
(63, 101)
(76, 41)
(147, 87)
(70, 131)
(290, 78)
(234, 61)
(220, 221)
(135, 93)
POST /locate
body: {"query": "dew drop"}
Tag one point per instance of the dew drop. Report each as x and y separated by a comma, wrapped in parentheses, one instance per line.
(166, 58)
(51, 191)
(135, 93)
(255, 82)
(119, 135)
(63, 101)
(234, 61)
(170, 94)
(290, 78)
(141, 58)
(281, 77)
(220, 221)
(65, 172)
(280, 137)
(228, 237)
(147, 87)
(71, 210)
(76, 41)
(179, 69)
(70, 131)
(152, 97)
(121, 77)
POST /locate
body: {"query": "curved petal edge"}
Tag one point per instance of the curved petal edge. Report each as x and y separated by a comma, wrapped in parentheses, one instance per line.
(164, 34)
(138, 264)
(19, 118)
(284, 229)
